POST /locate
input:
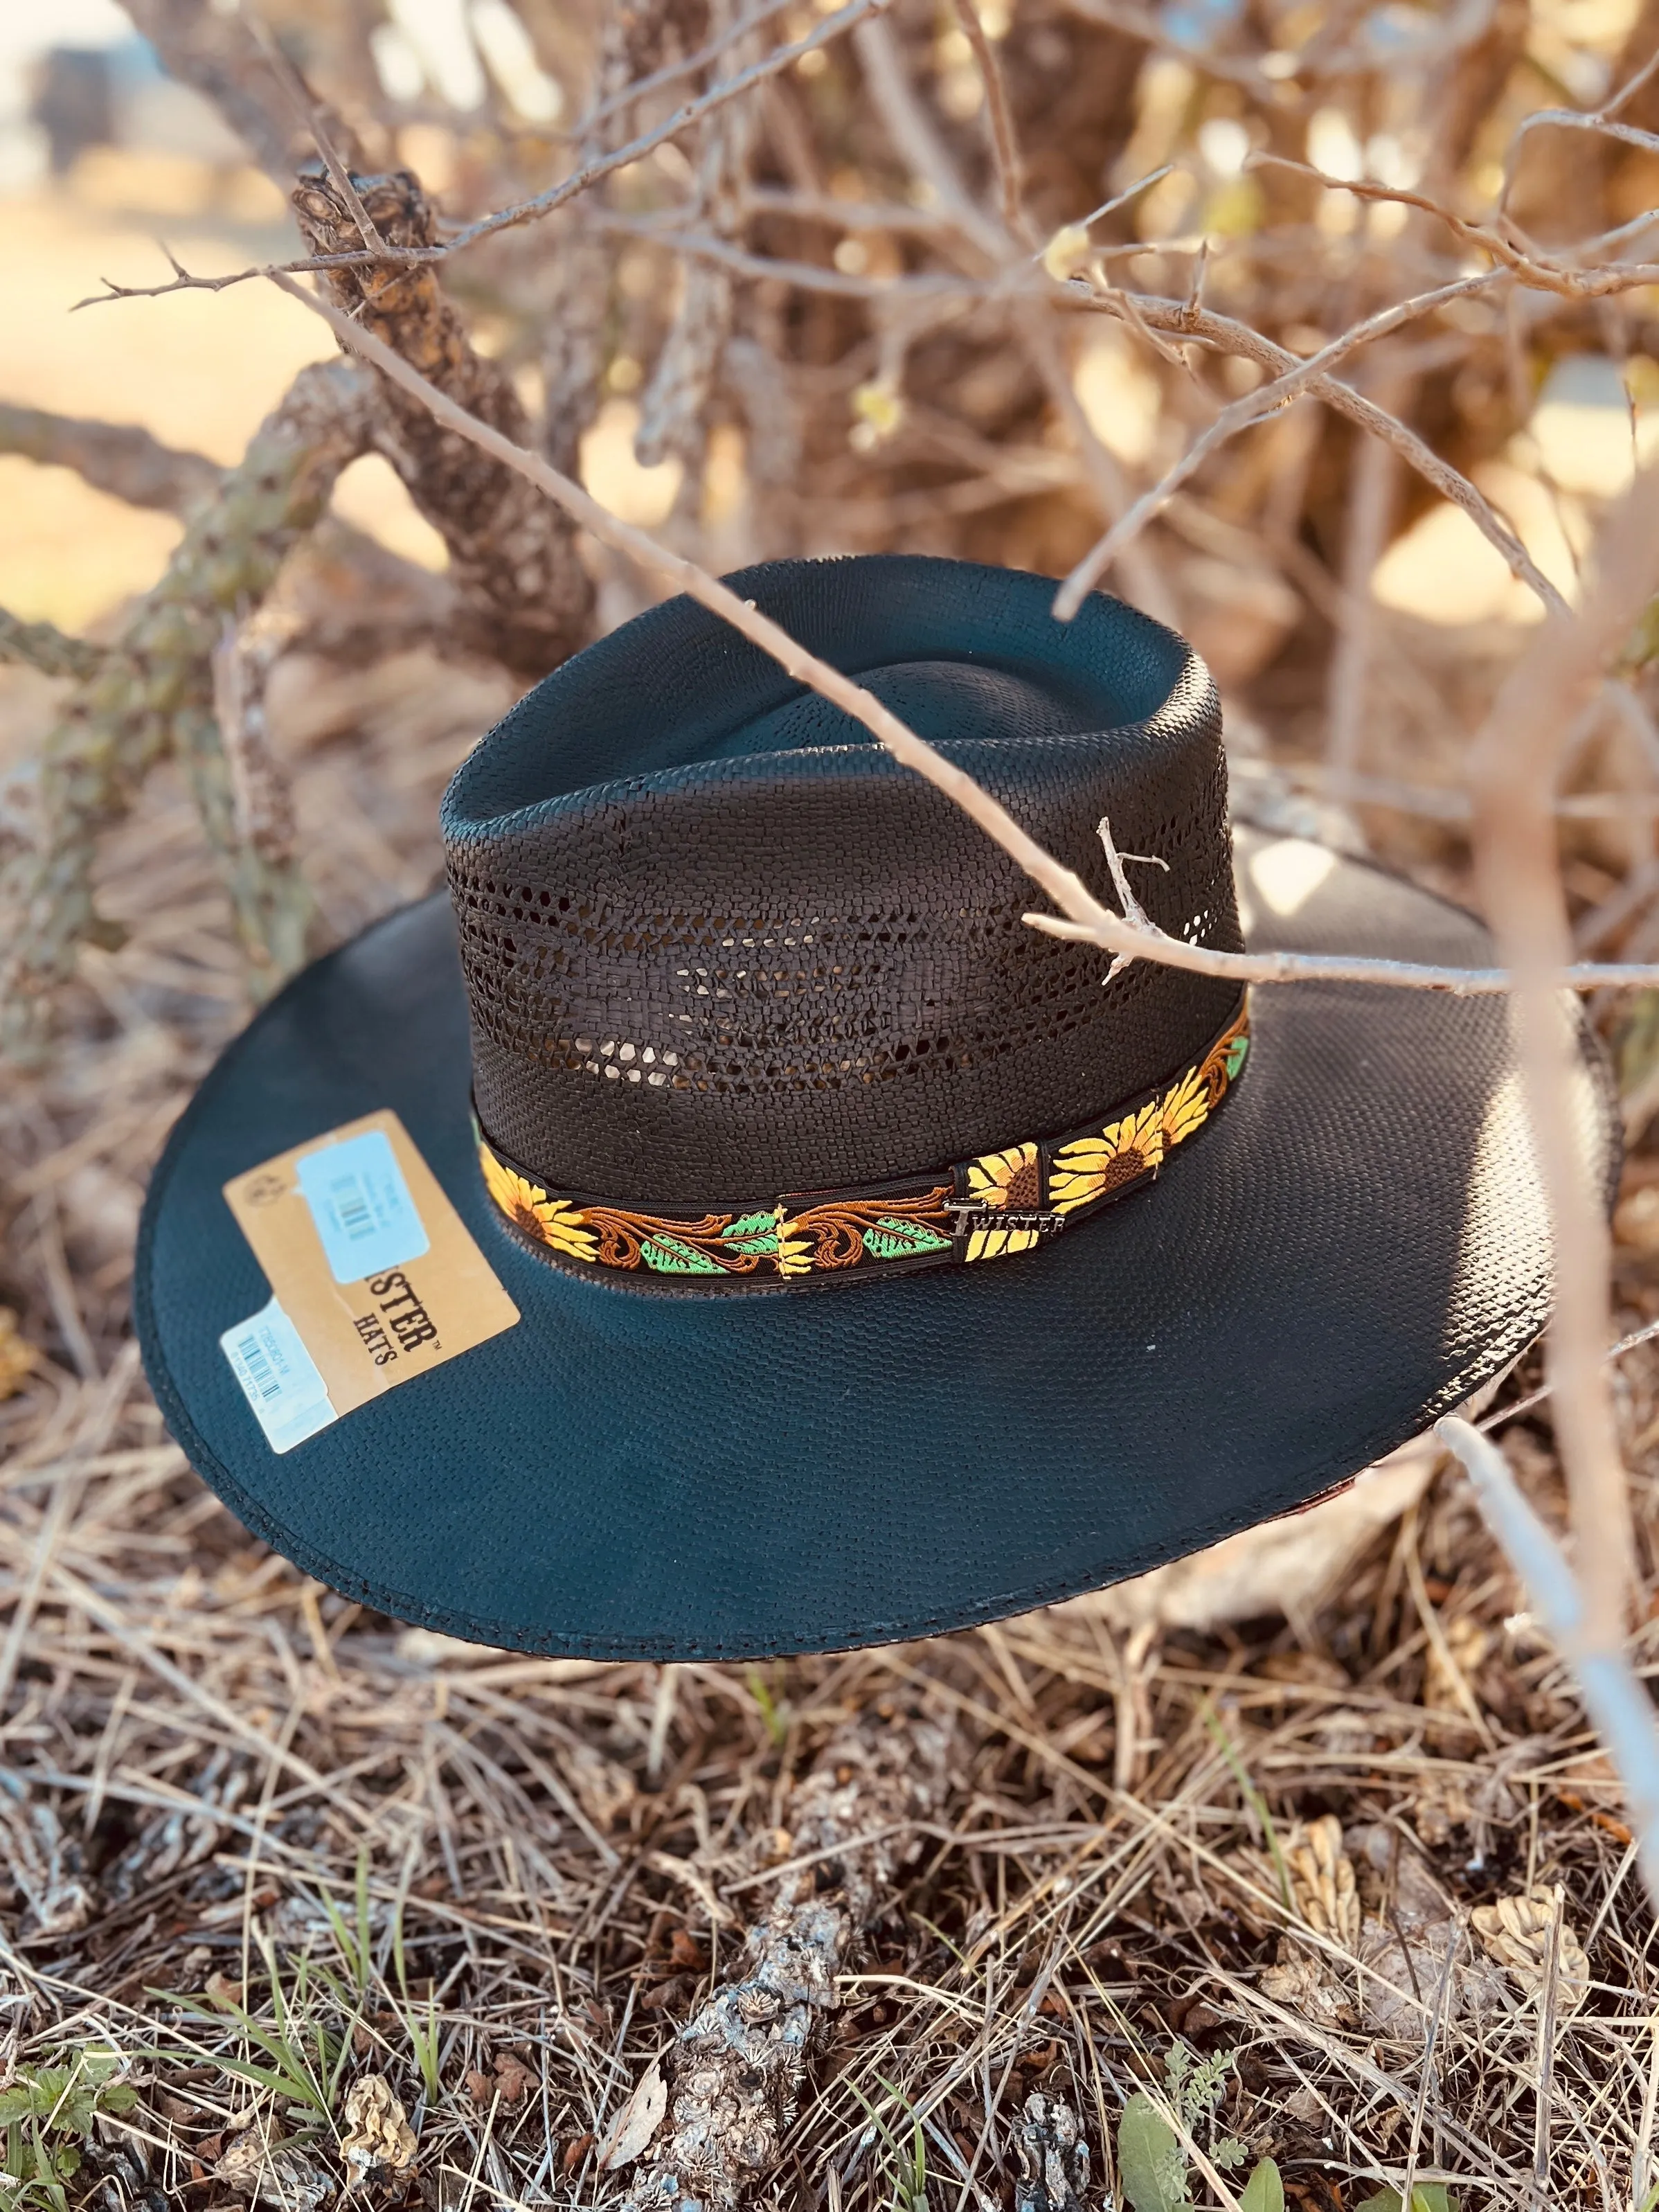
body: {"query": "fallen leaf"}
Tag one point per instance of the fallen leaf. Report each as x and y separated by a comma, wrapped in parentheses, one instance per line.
(637, 2122)
(1514, 1933)
(18, 1357)
(513, 2079)
(686, 1953)
(1296, 1980)
(379, 2143)
(1150, 2163)
(576, 2150)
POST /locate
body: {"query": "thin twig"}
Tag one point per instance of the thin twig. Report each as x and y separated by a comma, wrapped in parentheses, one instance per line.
(1005, 144)
(1225, 334)
(544, 203)
(1530, 268)
(308, 115)
(1617, 1703)
(1082, 916)
(1243, 414)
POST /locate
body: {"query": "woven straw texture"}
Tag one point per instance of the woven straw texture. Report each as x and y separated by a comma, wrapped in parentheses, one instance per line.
(807, 967)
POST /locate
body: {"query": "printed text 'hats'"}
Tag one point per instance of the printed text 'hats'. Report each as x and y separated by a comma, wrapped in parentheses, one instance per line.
(721, 1225)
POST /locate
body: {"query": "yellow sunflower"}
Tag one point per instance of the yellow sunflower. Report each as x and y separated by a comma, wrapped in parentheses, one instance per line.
(1122, 1152)
(1011, 1181)
(1184, 1108)
(552, 1221)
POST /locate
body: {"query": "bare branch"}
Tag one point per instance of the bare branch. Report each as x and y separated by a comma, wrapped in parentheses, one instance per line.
(308, 114)
(114, 457)
(1082, 916)
(770, 65)
(1513, 767)
(544, 203)
(1530, 268)
(1617, 1703)
(1243, 414)
(641, 88)
(1184, 320)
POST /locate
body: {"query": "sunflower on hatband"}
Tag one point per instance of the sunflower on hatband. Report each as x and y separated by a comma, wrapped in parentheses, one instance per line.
(552, 1221)
(1122, 1152)
(1009, 1182)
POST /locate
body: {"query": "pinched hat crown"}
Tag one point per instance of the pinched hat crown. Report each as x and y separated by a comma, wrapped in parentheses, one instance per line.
(717, 943)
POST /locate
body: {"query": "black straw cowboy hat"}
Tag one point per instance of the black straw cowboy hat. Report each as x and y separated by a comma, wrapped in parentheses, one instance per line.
(721, 1225)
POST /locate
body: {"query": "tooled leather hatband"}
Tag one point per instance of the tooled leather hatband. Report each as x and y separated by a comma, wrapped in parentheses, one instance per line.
(985, 1208)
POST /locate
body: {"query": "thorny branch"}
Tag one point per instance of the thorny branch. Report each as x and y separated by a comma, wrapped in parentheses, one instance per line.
(526, 599)
(1311, 376)
(1186, 320)
(413, 254)
(151, 694)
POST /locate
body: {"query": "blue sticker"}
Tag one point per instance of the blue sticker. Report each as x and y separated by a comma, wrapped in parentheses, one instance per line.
(362, 1205)
(278, 1376)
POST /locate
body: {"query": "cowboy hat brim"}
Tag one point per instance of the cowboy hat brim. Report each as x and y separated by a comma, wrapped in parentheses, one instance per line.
(1351, 1249)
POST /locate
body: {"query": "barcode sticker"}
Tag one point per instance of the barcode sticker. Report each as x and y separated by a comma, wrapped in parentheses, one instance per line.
(279, 1377)
(365, 1216)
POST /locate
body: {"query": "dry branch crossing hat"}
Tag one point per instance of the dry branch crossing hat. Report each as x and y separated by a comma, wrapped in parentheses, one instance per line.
(721, 1225)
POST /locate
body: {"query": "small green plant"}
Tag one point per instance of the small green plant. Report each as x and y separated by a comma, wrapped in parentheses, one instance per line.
(773, 1712)
(355, 1941)
(1151, 2155)
(308, 2061)
(1426, 2196)
(41, 2111)
(909, 2159)
(422, 2034)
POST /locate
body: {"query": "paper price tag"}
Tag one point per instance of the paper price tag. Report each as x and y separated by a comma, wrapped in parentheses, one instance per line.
(375, 1278)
